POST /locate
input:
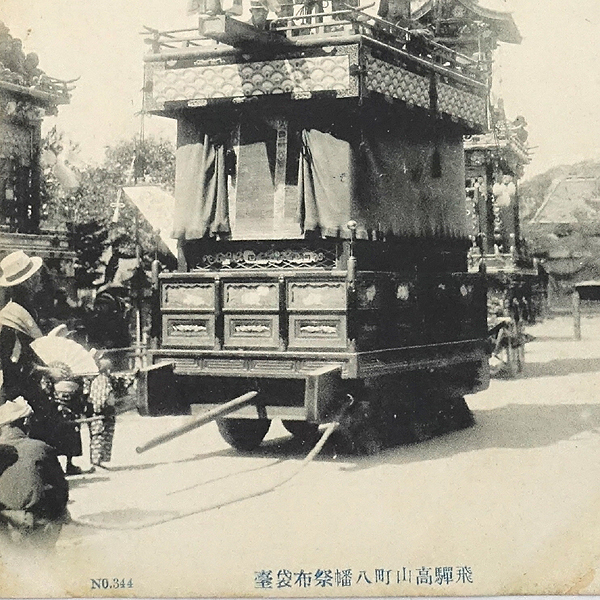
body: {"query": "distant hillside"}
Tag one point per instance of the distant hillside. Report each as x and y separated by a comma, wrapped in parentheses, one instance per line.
(571, 250)
(533, 191)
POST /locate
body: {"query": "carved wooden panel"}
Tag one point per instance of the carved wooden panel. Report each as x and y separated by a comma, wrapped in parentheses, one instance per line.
(314, 295)
(184, 364)
(251, 331)
(286, 367)
(395, 82)
(317, 331)
(188, 295)
(461, 104)
(259, 295)
(256, 255)
(296, 76)
(189, 330)
(224, 364)
(373, 291)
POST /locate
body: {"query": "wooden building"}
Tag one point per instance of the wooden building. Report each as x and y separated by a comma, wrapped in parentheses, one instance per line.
(27, 94)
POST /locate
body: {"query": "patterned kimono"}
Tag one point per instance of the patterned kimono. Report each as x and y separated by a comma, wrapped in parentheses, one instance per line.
(102, 429)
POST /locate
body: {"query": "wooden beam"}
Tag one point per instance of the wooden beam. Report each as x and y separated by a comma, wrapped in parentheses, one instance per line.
(280, 176)
(235, 33)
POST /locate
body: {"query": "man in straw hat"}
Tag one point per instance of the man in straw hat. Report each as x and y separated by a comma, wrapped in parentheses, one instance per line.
(20, 276)
(33, 489)
(21, 370)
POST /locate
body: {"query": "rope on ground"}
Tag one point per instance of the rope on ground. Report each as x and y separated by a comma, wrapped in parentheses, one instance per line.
(329, 429)
(222, 477)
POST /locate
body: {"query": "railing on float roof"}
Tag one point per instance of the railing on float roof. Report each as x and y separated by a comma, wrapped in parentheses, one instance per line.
(331, 24)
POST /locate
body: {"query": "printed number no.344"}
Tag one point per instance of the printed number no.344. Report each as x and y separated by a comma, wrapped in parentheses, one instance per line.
(114, 583)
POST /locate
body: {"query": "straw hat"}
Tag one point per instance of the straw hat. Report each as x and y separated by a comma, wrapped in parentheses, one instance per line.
(17, 267)
(14, 410)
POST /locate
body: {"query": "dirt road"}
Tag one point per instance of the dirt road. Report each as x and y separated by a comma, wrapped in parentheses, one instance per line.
(511, 505)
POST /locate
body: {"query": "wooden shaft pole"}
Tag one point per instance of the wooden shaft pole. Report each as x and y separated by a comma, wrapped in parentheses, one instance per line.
(207, 417)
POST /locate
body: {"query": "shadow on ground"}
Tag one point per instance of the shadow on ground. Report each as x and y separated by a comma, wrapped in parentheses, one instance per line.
(516, 426)
(112, 519)
(82, 481)
(512, 426)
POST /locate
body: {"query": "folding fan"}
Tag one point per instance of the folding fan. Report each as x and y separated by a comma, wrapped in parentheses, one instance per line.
(52, 349)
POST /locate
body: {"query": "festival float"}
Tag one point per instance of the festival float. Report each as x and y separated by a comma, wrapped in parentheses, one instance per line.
(320, 214)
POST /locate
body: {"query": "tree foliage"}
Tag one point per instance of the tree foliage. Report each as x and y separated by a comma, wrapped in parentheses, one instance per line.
(88, 241)
(88, 214)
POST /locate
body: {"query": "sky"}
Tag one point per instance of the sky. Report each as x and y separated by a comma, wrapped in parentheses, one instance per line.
(552, 78)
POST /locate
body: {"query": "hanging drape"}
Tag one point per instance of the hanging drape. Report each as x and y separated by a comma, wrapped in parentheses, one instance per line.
(413, 186)
(201, 199)
(324, 183)
(389, 182)
(389, 178)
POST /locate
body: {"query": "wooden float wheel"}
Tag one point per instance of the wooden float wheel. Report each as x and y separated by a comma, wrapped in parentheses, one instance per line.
(243, 434)
(302, 430)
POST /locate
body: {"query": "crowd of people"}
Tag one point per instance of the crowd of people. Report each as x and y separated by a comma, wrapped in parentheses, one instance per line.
(42, 408)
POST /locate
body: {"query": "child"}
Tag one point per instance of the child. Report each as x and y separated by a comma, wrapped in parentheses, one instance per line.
(68, 395)
(102, 401)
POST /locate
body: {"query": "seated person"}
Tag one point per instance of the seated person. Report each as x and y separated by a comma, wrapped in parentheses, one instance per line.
(33, 489)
